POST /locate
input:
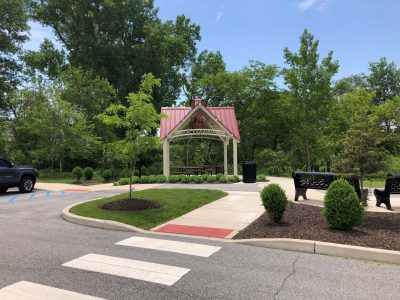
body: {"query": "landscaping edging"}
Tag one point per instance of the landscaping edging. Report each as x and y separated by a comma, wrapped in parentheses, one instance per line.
(307, 246)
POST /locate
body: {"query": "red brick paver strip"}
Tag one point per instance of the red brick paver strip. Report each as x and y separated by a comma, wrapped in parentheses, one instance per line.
(196, 230)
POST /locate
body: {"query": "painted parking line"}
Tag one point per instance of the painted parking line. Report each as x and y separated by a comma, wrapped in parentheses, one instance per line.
(48, 194)
(141, 270)
(3, 210)
(31, 196)
(12, 199)
(62, 193)
(25, 290)
(170, 246)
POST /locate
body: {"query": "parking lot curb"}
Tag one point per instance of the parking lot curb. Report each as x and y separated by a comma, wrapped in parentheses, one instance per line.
(298, 245)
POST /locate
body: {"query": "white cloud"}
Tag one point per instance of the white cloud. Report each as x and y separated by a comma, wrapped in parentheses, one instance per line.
(304, 5)
(219, 15)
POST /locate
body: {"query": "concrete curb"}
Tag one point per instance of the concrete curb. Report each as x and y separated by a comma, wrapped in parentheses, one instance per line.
(307, 246)
(331, 249)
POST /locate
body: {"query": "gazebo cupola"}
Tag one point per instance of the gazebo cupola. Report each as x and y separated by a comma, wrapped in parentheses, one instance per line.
(199, 121)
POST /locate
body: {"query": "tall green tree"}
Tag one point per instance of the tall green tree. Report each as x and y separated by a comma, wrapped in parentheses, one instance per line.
(360, 149)
(121, 40)
(309, 81)
(384, 80)
(139, 118)
(13, 33)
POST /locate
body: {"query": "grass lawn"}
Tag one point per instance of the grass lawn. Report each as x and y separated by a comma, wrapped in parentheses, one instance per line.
(66, 177)
(176, 202)
(374, 183)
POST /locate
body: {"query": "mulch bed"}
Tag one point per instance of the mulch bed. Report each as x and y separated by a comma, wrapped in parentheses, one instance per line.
(133, 204)
(379, 230)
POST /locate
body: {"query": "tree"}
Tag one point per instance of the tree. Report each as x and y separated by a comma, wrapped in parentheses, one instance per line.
(360, 148)
(206, 64)
(309, 82)
(121, 40)
(49, 61)
(139, 119)
(384, 80)
(13, 27)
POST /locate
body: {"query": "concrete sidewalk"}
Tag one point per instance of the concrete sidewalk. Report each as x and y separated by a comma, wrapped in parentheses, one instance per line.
(91, 188)
(221, 218)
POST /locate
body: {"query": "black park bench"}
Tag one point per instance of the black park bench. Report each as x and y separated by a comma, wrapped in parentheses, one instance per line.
(392, 186)
(320, 181)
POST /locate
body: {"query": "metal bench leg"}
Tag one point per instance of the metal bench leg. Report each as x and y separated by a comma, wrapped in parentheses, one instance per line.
(300, 192)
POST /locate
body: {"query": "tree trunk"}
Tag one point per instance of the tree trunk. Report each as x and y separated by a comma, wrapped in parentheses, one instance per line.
(61, 164)
(308, 154)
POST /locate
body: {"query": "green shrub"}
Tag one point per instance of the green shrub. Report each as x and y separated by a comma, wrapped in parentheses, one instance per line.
(107, 174)
(161, 179)
(204, 177)
(115, 183)
(192, 178)
(123, 181)
(198, 179)
(144, 179)
(275, 201)
(237, 179)
(185, 179)
(152, 179)
(261, 177)
(88, 173)
(231, 179)
(342, 208)
(211, 179)
(218, 176)
(77, 173)
(135, 179)
(174, 179)
(223, 179)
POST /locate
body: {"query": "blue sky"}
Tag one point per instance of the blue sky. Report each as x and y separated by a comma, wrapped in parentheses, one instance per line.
(358, 31)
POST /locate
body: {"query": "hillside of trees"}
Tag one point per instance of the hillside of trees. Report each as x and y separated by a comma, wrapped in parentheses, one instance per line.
(96, 100)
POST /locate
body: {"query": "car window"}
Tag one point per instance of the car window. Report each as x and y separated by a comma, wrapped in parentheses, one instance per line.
(3, 164)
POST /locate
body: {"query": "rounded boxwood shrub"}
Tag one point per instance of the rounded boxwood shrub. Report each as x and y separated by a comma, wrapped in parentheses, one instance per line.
(237, 179)
(223, 179)
(161, 179)
(88, 173)
(152, 179)
(123, 181)
(144, 179)
(107, 174)
(218, 176)
(185, 179)
(77, 173)
(198, 179)
(204, 177)
(173, 179)
(275, 201)
(232, 179)
(342, 208)
(211, 179)
(135, 179)
(192, 178)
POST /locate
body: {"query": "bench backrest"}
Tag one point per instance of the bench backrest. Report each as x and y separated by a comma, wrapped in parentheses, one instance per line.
(321, 181)
(392, 184)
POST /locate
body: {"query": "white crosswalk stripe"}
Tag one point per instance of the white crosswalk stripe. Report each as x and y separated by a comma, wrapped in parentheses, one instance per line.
(141, 270)
(170, 246)
(25, 290)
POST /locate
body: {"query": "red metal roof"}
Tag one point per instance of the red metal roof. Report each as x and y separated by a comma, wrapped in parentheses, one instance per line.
(225, 115)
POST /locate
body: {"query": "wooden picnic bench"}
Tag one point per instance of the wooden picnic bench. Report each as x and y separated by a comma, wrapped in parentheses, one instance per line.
(320, 181)
(392, 186)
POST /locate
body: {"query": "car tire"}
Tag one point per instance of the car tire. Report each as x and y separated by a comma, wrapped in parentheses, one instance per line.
(27, 184)
(3, 189)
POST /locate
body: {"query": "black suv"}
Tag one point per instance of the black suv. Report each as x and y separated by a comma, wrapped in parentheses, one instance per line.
(16, 176)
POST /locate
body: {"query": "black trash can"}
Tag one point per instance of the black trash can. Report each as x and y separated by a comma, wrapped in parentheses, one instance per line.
(249, 171)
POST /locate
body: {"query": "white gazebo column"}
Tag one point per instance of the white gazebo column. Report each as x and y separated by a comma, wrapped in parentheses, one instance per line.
(166, 157)
(226, 142)
(235, 167)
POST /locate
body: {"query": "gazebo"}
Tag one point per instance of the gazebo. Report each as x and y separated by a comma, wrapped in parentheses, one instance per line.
(199, 121)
